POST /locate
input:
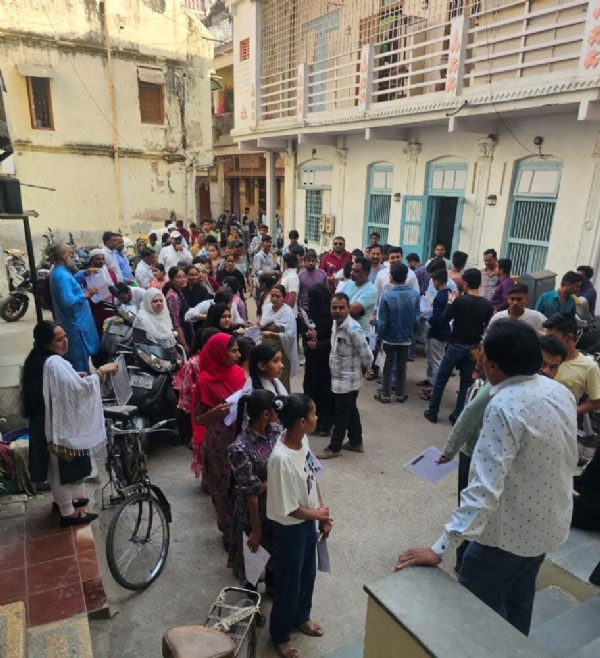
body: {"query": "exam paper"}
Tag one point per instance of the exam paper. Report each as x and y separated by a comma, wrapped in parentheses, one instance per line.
(254, 563)
(101, 283)
(424, 466)
(233, 400)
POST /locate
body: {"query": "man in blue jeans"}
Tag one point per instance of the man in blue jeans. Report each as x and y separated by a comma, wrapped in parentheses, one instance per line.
(470, 315)
(518, 504)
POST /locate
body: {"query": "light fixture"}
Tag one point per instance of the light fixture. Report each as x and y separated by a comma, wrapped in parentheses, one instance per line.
(397, 197)
(492, 200)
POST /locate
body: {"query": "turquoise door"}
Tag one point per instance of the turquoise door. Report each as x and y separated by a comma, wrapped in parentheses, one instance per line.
(413, 226)
(379, 202)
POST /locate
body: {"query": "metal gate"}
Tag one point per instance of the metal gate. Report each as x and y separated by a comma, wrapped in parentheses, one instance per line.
(312, 217)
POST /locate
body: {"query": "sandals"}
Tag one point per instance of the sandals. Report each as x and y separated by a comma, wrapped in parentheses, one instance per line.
(423, 383)
(384, 399)
(425, 396)
(401, 398)
(371, 376)
(286, 650)
(311, 628)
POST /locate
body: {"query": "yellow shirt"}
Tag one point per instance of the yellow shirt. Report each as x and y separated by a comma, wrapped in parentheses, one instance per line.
(580, 375)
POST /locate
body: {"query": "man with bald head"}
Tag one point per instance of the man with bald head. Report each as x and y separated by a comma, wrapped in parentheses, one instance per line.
(71, 308)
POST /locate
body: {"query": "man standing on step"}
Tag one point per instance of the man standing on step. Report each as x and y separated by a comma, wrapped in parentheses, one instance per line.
(518, 504)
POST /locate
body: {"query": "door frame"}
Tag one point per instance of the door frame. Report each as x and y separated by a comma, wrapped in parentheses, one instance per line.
(379, 191)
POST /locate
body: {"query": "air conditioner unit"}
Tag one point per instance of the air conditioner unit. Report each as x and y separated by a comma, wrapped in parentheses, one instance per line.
(323, 224)
(330, 224)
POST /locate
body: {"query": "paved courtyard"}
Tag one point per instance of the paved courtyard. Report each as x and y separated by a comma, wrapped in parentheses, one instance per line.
(379, 510)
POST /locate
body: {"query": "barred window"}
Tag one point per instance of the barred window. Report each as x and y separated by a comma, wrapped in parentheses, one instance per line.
(244, 50)
(40, 103)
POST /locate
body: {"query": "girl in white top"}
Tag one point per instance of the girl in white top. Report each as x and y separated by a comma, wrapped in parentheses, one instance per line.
(294, 503)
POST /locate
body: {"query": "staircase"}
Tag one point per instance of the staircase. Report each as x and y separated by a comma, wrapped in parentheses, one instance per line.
(69, 638)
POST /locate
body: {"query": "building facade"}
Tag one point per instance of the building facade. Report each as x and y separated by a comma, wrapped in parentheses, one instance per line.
(470, 122)
(239, 179)
(108, 106)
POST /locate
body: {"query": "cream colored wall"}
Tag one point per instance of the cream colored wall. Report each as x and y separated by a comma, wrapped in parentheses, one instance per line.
(76, 157)
(565, 139)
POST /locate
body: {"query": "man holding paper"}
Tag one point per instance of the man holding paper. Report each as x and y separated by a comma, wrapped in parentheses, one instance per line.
(518, 504)
(102, 302)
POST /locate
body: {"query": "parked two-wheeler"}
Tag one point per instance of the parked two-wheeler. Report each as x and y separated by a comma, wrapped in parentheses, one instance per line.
(14, 306)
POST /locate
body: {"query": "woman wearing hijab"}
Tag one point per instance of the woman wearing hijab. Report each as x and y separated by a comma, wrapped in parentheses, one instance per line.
(219, 316)
(278, 325)
(64, 410)
(153, 322)
(220, 376)
(317, 345)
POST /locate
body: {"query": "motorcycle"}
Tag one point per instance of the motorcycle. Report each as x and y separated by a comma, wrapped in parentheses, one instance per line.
(150, 369)
(15, 305)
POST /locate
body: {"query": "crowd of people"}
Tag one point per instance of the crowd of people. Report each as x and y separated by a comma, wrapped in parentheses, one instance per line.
(347, 317)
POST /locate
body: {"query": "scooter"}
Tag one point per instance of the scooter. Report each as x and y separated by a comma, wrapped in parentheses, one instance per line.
(14, 306)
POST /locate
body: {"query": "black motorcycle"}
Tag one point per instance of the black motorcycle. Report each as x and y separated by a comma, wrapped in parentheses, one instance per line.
(14, 306)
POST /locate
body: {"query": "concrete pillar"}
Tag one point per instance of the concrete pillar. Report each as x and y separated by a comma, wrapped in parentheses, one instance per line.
(486, 146)
(589, 245)
(290, 159)
(271, 194)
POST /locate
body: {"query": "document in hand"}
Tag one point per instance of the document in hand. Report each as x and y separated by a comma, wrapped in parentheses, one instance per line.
(323, 562)
(424, 466)
(254, 563)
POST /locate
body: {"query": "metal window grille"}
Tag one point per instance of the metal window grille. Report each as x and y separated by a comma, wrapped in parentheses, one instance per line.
(244, 49)
(379, 215)
(529, 234)
(40, 103)
(151, 103)
(312, 216)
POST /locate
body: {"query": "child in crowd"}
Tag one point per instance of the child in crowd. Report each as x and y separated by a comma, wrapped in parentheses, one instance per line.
(294, 503)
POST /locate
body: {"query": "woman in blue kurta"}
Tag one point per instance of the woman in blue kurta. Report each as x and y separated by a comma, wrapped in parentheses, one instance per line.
(72, 310)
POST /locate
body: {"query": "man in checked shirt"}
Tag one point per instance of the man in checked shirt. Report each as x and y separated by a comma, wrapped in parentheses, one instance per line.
(518, 504)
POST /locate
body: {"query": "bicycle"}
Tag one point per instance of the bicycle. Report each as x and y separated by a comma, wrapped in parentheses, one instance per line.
(232, 624)
(138, 536)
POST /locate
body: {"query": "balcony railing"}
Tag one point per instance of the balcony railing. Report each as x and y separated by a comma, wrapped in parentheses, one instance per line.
(494, 43)
(222, 125)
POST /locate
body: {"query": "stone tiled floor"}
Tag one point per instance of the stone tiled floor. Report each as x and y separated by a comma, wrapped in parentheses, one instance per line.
(54, 570)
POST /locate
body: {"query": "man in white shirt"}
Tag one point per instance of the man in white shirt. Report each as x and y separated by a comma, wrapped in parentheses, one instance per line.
(518, 296)
(109, 240)
(518, 504)
(290, 280)
(174, 253)
(143, 272)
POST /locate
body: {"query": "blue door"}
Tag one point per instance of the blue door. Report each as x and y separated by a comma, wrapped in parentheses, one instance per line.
(379, 202)
(413, 227)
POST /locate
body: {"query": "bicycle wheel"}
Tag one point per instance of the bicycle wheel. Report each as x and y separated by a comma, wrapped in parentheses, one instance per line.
(137, 541)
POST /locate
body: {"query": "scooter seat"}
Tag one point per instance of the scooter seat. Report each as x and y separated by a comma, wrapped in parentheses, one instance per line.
(120, 412)
(196, 642)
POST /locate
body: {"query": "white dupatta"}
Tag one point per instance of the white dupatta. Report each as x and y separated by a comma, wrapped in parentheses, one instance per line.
(285, 318)
(74, 416)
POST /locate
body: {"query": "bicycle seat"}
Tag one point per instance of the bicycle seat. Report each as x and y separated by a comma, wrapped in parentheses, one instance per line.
(196, 642)
(120, 412)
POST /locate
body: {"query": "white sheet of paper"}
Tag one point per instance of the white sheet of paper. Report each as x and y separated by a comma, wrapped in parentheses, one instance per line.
(424, 466)
(323, 562)
(254, 563)
(233, 400)
(101, 283)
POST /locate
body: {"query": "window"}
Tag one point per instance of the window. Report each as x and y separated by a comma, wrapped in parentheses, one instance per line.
(532, 215)
(312, 217)
(447, 180)
(249, 187)
(379, 201)
(244, 50)
(151, 102)
(40, 103)
(279, 193)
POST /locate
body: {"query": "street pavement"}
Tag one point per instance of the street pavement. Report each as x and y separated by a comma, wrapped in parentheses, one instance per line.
(379, 510)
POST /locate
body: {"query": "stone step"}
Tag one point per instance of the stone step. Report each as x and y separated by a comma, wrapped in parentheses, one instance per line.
(549, 603)
(591, 650)
(352, 651)
(12, 630)
(69, 638)
(568, 633)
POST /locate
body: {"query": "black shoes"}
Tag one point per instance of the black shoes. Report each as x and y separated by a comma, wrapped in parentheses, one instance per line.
(82, 502)
(431, 416)
(68, 521)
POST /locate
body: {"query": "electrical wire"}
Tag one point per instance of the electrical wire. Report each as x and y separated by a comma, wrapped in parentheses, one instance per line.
(89, 93)
(489, 58)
